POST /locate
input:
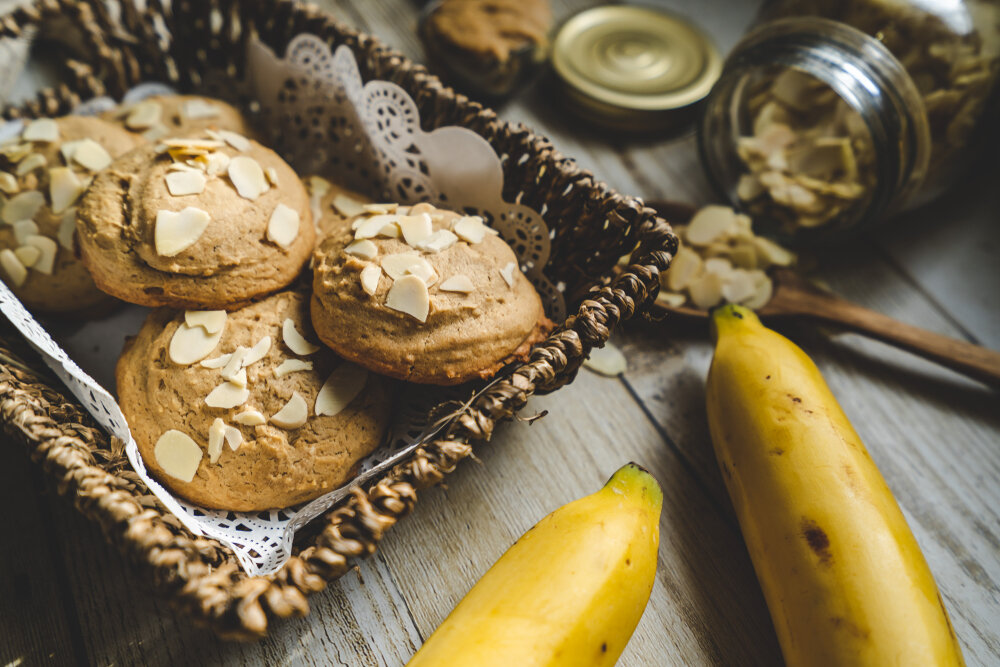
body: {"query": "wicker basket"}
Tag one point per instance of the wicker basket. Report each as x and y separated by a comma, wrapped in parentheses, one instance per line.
(173, 42)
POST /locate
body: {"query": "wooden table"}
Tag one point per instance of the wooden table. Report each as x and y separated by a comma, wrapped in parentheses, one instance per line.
(66, 597)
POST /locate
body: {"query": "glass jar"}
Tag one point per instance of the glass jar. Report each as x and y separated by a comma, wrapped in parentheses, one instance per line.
(832, 115)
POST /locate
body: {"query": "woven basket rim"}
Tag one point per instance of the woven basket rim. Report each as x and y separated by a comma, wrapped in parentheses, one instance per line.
(199, 575)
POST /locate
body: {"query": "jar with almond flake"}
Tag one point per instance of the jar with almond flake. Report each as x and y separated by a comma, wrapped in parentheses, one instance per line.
(832, 115)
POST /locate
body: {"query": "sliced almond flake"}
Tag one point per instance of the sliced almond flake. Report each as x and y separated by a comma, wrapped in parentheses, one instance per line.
(344, 384)
(409, 295)
(371, 227)
(198, 108)
(65, 188)
(258, 351)
(216, 362)
(348, 206)
(91, 155)
(235, 139)
(240, 378)
(365, 249)
(178, 455)
(234, 437)
(719, 265)
(8, 183)
(318, 186)
(710, 223)
(216, 163)
(738, 286)
(156, 132)
(272, 176)
(440, 240)
(424, 271)
(22, 206)
(294, 340)
(671, 299)
(212, 321)
(67, 228)
(190, 344)
(770, 253)
(144, 115)
(189, 182)
(28, 254)
(30, 163)
(47, 253)
(177, 231)
(250, 417)
(706, 290)
(685, 267)
(235, 363)
(370, 277)
(23, 229)
(294, 414)
(415, 228)
(380, 208)
(216, 436)
(457, 283)
(397, 265)
(470, 228)
(607, 360)
(68, 148)
(180, 166)
(283, 227)
(507, 273)
(193, 144)
(292, 366)
(247, 177)
(227, 395)
(13, 267)
(41, 129)
(391, 231)
(16, 152)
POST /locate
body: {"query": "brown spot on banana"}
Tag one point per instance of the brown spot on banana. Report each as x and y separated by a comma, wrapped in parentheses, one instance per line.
(851, 627)
(817, 540)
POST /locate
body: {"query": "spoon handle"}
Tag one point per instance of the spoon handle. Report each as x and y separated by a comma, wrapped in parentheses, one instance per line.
(972, 360)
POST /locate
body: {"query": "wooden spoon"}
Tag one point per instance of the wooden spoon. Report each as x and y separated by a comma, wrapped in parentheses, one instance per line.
(795, 297)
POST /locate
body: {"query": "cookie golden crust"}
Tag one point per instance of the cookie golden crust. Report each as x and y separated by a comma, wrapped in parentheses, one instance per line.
(177, 115)
(147, 242)
(62, 284)
(480, 311)
(275, 464)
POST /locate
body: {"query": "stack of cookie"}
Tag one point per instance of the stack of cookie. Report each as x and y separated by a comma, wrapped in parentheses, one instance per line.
(233, 398)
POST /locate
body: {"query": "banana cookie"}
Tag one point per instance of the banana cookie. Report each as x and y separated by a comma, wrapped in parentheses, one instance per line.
(242, 411)
(424, 295)
(43, 172)
(161, 116)
(212, 220)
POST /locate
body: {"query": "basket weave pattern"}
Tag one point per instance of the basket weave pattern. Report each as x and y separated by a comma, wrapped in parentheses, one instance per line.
(593, 226)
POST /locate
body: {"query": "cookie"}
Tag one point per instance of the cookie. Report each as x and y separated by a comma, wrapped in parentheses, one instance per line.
(333, 205)
(209, 221)
(289, 424)
(163, 116)
(42, 174)
(423, 295)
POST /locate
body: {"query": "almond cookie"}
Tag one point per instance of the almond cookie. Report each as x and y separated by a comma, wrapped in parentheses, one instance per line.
(424, 295)
(43, 172)
(208, 221)
(161, 116)
(243, 411)
(333, 205)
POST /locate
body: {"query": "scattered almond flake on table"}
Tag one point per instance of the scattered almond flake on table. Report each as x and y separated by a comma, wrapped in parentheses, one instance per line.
(175, 232)
(295, 341)
(28, 255)
(292, 366)
(178, 455)
(216, 436)
(198, 109)
(211, 321)
(258, 351)
(508, 273)
(409, 295)
(143, 115)
(341, 387)
(294, 414)
(227, 395)
(25, 228)
(41, 129)
(250, 417)
(470, 228)
(47, 253)
(190, 344)
(365, 249)
(370, 277)
(23, 206)
(13, 267)
(415, 228)
(30, 163)
(607, 360)
(457, 283)
(283, 227)
(186, 182)
(440, 240)
(91, 155)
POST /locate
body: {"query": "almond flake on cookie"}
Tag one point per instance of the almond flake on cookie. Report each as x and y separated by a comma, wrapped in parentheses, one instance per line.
(234, 437)
(23, 206)
(470, 228)
(41, 129)
(250, 417)
(348, 206)
(227, 395)
(294, 414)
(292, 366)
(178, 455)
(156, 132)
(16, 152)
(508, 273)
(25, 228)
(370, 276)
(272, 176)
(197, 109)
(440, 240)
(283, 227)
(28, 254)
(190, 344)
(409, 295)
(215, 362)
(30, 163)
(8, 184)
(144, 115)
(377, 225)
(457, 283)
(177, 231)
(235, 139)
(211, 321)
(91, 155)
(247, 177)
(65, 187)
(365, 249)
(186, 182)
(380, 208)
(295, 341)
(216, 436)
(13, 267)
(398, 265)
(216, 163)
(415, 228)
(341, 387)
(47, 253)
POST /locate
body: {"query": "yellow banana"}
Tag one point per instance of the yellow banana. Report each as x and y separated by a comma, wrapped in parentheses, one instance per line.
(843, 576)
(569, 592)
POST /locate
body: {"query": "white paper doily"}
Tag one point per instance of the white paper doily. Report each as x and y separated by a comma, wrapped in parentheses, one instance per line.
(367, 136)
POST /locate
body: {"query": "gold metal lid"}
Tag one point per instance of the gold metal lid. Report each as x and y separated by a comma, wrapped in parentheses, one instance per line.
(628, 64)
